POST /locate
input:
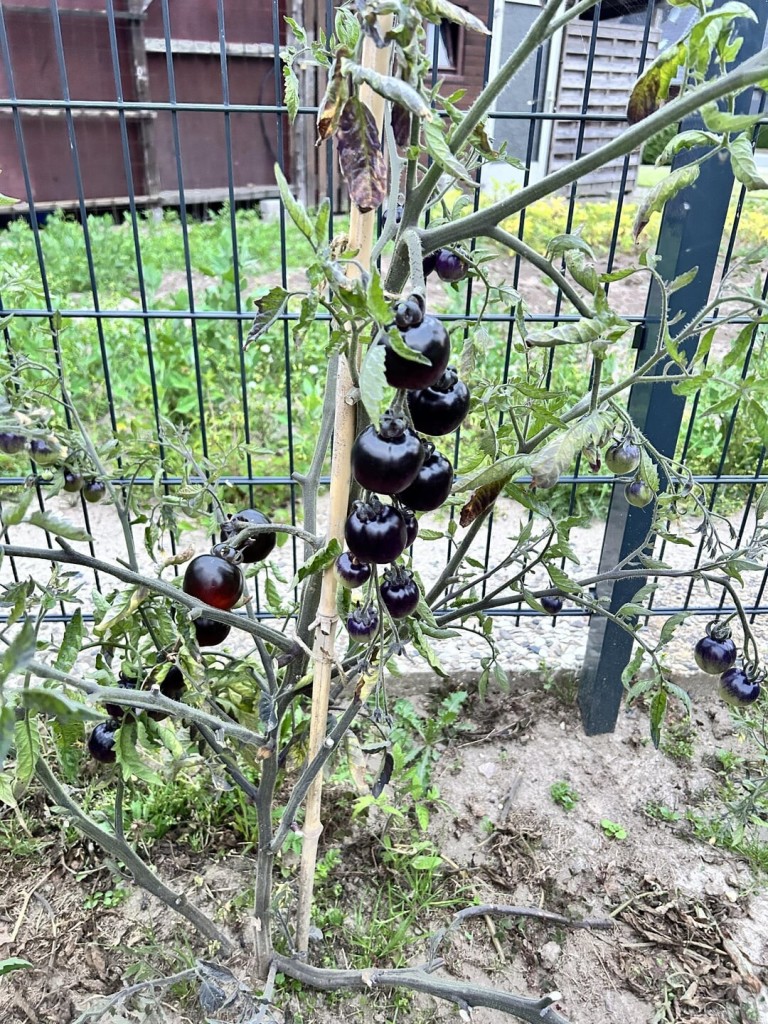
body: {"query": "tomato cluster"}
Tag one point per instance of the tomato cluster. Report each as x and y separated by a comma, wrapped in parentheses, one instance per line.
(391, 458)
(623, 457)
(448, 265)
(716, 654)
(47, 452)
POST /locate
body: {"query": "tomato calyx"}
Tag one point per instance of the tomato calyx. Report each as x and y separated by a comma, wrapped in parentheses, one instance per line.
(228, 552)
(363, 622)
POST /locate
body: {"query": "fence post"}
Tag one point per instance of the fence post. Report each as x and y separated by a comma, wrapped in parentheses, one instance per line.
(691, 229)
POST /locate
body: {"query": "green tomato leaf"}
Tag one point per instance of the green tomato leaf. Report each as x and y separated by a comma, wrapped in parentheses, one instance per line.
(373, 382)
(320, 561)
(26, 739)
(661, 193)
(561, 244)
(7, 725)
(269, 307)
(743, 164)
(296, 211)
(438, 149)
(71, 643)
(378, 306)
(652, 87)
(687, 140)
(394, 89)
(14, 963)
(718, 120)
(131, 764)
(658, 707)
(13, 513)
(19, 652)
(49, 702)
(291, 91)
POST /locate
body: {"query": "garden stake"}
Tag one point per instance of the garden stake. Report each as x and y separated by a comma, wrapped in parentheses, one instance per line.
(361, 227)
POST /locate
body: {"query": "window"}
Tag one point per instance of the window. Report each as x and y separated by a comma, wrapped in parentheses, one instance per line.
(449, 39)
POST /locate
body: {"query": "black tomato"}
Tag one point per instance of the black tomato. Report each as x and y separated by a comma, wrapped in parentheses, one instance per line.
(411, 526)
(117, 711)
(398, 215)
(638, 493)
(551, 603)
(375, 532)
(399, 593)
(260, 545)
(43, 452)
(715, 654)
(622, 457)
(11, 443)
(409, 313)
(101, 742)
(738, 688)
(363, 622)
(214, 580)
(432, 484)
(387, 460)
(429, 339)
(351, 573)
(172, 687)
(208, 632)
(94, 490)
(440, 409)
(450, 266)
(73, 482)
(429, 263)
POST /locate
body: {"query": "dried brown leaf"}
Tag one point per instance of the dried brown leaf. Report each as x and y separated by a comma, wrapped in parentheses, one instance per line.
(360, 156)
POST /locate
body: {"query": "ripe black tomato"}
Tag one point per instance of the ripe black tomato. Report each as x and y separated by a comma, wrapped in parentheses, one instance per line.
(73, 482)
(11, 443)
(172, 687)
(43, 452)
(411, 526)
(450, 266)
(387, 460)
(551, 603)
(257, 547)
(429, 339)
(117, 711)
(101, 742)
(399, 593)
(638, 493)
(94, 490)
(409, 313)
(398, 215)
(375, 532)
(622, 457)
(738, 688)
(432, 485)
(214, 580)
(350, 572)
(208, 632)
(363, 622)
(429, 263)
(715, 655)
(441, 408)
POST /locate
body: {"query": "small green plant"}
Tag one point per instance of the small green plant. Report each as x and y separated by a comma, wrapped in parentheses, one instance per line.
(108, 899)
(678, 741)
(564, 794)
(612, 829)
(661, 813)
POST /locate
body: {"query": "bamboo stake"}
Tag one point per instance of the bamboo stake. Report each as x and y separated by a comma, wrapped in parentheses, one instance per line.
(361, 227)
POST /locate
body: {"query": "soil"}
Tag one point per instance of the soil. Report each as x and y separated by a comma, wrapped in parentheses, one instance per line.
(690, 919)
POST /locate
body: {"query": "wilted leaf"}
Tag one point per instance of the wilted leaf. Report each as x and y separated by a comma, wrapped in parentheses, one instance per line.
(401, 125)
(439, 10)
(373, 382)
(581, 270)
(504, 470)
(548, 464)
(437, 147)
(360, 157)
(269, 307)
(394, 89)
(336, 95)
(661, 193)
(652, 87)
(743, 164)
(481, 500)
(384, 775)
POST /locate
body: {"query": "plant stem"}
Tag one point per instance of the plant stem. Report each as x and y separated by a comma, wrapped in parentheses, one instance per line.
(121, 851)
(157, 586)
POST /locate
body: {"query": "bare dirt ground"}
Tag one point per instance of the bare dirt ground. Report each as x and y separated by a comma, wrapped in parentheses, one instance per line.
(691, 920)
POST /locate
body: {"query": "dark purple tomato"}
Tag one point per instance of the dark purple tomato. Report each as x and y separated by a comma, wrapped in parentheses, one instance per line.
(73, 482)
(429, 263)
(638, 493)
(101, 742)
(411, 526)
(363, 622)
(551, 603)
(11, 443)
(440, 409)
(172, 687)
(214, 580)
(715, 656)
(409, 313)
(622, 457)
(117, 711)
(375, 532)
(94, 490)
(259, 546)
(398, 215)
(432, 484)
(43, 452)
(737, 688)
(387, 460)
(351, 573)
(429, 339)
(209, 633)
(450, 266)
(399, 593)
